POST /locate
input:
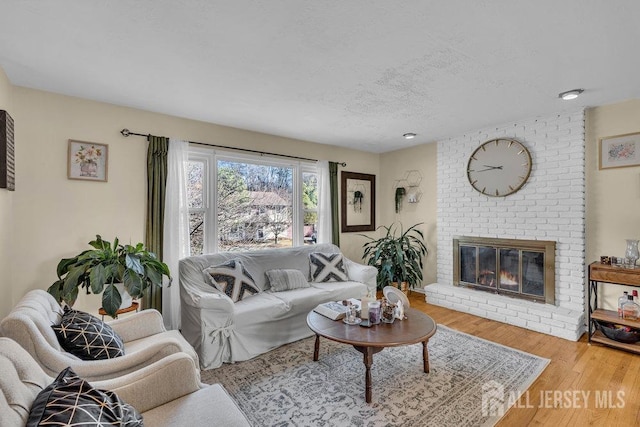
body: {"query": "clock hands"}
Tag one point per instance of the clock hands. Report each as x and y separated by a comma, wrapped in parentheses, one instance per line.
(490, 168)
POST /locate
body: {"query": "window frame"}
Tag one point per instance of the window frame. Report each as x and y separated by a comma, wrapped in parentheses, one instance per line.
(211, 157)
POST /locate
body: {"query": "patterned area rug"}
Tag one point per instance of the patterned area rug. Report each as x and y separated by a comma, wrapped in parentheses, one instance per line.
(472, 382)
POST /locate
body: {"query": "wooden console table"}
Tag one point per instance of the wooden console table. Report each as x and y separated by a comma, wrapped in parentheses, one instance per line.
(603, 273)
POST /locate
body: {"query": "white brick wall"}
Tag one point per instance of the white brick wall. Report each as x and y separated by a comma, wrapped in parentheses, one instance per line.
(550, 206)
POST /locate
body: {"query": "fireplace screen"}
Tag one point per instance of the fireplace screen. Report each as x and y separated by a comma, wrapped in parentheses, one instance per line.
(521, 268)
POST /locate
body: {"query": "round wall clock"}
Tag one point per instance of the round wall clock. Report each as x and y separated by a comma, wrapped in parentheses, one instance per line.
(499, 167)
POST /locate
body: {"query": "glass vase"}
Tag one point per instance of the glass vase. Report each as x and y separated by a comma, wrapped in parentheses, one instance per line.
(631, 253)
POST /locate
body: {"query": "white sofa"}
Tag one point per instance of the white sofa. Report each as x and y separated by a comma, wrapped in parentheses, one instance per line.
(222, 331)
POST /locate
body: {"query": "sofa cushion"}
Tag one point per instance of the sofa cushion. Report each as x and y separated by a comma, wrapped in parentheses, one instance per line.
(232, 279)
(342, 290)
(327, 267)
(213, 405)
(72, 401)
(87, 337)
(286, 279)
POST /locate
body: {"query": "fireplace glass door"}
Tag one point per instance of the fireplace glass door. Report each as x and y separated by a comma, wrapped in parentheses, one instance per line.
(509, 268)
(505, 268)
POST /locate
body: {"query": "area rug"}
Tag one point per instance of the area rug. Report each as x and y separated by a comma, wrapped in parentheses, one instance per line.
(468, 378)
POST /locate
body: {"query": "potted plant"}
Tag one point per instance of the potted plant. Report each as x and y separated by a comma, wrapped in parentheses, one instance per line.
(100, 269)
(398, 258)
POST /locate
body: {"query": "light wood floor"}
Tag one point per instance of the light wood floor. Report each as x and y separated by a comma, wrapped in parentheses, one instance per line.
(575, 367)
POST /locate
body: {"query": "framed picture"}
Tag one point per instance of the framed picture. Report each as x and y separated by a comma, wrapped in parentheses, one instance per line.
(358, 202)
(88, 161)
(7, 152)
(620, 151)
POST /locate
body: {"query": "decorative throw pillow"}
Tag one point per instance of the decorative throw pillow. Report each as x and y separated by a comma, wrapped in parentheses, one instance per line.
(284, 280)
(87, 337)
(72, 401)
(232, 279)
(327, 267)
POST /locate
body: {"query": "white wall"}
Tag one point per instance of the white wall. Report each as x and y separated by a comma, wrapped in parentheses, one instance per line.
(54, 217)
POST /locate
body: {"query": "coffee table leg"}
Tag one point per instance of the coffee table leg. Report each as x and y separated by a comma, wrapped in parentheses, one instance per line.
(316, 350)
(425, 356)
(367, 353)
(368, 361)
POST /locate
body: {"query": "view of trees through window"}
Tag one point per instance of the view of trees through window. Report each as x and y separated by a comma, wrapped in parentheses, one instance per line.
(254, 206)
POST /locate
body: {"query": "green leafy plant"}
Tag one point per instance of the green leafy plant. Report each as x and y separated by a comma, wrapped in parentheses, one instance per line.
(98, 269)
(398, 257)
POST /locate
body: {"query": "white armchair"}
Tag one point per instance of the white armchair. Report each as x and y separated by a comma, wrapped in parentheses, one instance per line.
(145, 339)
(166, 393)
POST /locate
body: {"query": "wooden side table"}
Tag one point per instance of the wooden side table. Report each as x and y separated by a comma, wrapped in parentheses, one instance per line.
(133, 307)
(601, 274)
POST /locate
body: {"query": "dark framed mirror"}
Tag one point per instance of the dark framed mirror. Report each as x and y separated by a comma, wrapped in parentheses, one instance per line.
(358, 202)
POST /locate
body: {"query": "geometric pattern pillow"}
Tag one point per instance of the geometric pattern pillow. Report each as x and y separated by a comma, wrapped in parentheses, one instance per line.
(232, 279)
(72, 401)
(327, 267)
(284, 280)
(87, 337)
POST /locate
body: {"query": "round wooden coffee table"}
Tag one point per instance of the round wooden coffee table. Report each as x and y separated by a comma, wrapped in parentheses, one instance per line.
(416, 328)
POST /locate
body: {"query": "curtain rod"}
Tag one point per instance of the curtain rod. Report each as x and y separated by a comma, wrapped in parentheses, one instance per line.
(126, 133)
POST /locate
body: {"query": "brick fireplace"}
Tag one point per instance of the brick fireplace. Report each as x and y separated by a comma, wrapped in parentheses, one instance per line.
(549, 207)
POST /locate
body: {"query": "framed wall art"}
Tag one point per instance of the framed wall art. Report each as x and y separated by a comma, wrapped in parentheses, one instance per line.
(88, 161)
(7, 153)
(620, 151)
(358, 202)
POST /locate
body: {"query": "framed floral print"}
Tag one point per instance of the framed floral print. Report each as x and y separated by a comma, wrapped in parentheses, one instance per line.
(87, 161)
(620, 151)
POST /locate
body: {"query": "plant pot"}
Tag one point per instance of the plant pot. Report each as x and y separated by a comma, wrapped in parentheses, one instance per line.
(403, 286)
(127, 299)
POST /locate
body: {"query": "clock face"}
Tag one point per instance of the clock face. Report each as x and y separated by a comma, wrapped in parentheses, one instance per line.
(499, 167)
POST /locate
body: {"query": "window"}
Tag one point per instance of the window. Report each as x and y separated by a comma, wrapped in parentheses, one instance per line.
(239, 203)
(310, 206)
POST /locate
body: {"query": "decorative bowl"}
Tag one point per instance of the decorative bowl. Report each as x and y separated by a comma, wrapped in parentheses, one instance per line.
(619, 333)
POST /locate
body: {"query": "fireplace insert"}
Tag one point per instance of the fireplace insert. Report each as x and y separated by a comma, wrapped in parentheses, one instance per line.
(515, 267)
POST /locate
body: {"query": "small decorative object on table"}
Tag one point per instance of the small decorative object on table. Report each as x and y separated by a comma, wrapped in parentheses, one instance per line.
(605, 260)
(399, 310)
(374, 312)
(364, 306)
(352, 317)
(388, 311)
(336, 310)
(397, 297)
(632, 253)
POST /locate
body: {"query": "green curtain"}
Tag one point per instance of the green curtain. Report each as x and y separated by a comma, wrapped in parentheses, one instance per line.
(335, 218)
(156, 186)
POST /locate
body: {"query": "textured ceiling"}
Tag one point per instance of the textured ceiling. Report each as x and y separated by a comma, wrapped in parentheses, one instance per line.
(355, 73)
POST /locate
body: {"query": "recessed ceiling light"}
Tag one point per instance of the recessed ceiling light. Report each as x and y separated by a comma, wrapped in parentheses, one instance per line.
(409, 135)
(570, 94)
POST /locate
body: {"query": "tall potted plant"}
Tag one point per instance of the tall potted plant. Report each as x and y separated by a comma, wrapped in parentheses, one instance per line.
(398, 257)
(100, 269)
